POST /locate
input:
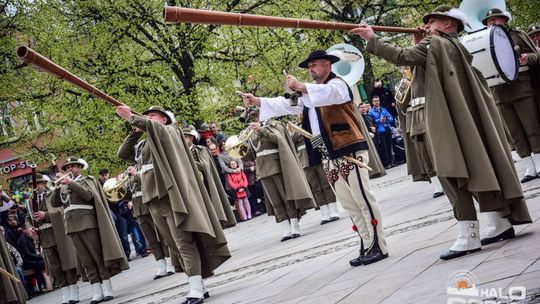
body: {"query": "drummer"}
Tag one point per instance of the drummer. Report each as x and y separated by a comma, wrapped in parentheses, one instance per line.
(448, 100)
(518, 100)
(534, 34)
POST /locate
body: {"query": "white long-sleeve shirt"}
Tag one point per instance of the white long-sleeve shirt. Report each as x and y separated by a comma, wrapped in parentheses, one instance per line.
(336, 91)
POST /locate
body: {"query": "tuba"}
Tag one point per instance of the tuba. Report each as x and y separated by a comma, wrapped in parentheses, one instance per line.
(476, 11)
(236, 145)
(116, 188)
(351, 65)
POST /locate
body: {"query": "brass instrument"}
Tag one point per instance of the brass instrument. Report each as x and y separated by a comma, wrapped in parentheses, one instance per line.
(52, 184)
(310, 136)
(236, 145)
(116, 188)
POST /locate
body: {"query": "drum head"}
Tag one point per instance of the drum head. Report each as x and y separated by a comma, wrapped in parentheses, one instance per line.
(502, 51)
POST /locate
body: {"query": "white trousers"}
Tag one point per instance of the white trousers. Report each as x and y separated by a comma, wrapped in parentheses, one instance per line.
(354, 194)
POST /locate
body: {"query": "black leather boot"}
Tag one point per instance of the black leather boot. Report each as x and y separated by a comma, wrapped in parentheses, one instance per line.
(358, 261)
(374, 255)
(193, 301)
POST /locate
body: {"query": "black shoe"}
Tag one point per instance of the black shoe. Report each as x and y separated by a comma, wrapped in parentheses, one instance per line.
(96, 302)
(528, 178)
(286, 238)
(206, 295)
(325, 222)
(73, 301)
(356, 261)
(170, 273)
(193, 301)
(159, 276)
(334, 218)
(437, 194)
(374, 255)
(107, 298)
(143, 254)
(506, 235)
(294, 235)
(451, 254)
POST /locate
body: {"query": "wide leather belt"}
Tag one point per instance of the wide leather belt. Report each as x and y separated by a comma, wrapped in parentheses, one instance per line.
(146, 168)
(45, 226)
(523, 69)
(416, 102)
(136, 194)
(77, 207)
(300, 148)
(267, 152)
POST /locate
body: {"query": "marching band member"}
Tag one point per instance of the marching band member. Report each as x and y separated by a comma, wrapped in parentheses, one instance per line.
(519, 100)
(286, 190)
(174, 194)
(467, 149)
(58, 249)
(88, 223)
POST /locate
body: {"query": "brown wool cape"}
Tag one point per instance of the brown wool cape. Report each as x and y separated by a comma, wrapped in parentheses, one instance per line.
(296, 185)
(10, 291)
(176, 174)
(217, 193)
(464, 133)
(465, 130)
(113, 252)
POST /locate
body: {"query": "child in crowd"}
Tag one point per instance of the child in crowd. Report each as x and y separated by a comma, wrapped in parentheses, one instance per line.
(239, 183)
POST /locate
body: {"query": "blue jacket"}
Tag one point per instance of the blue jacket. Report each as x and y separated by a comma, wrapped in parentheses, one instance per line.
(377, 115)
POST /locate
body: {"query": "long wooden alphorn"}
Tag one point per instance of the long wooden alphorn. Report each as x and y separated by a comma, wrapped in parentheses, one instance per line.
(173, 14)
(32, 57)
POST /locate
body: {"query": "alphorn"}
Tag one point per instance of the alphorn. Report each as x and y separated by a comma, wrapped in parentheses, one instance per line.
(174, 14)
(308, 135)
(41, 62)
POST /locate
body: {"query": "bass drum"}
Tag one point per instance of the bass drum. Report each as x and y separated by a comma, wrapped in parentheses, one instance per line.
(493, 52)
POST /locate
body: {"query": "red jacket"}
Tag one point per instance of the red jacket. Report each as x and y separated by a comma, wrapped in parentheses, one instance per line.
(238, 181)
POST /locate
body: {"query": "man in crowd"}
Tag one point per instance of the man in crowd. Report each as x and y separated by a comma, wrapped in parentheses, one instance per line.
(470, 159)
(57, 247)
(103, 176)
(519, 100)
(220, 137)
(386, 97)
(383, 130)
(170, 187)
(88, 223)
(330, 115)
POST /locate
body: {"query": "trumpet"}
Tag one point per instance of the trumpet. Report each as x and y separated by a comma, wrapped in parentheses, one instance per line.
(56, 181)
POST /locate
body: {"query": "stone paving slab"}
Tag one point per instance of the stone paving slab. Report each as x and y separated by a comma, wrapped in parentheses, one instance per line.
(314, 268)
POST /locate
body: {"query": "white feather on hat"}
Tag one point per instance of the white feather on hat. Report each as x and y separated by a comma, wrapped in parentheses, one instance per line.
(85, 164)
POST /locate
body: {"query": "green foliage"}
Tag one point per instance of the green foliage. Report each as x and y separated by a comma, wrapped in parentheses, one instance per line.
(123, 48)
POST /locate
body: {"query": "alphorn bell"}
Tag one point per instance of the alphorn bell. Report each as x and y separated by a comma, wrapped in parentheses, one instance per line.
(41, 62)
(173, 14)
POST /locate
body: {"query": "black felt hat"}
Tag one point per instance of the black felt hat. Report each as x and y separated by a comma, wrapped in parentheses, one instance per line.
(318, 54)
